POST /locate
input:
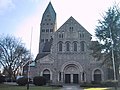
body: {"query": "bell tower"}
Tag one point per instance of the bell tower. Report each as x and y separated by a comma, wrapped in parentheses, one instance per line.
(47, 28)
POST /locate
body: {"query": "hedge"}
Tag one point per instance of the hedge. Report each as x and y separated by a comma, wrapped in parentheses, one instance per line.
(39, 81)
(22, 81)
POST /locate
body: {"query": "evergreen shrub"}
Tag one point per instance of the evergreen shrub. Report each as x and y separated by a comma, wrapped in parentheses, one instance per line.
(22, 81)
(39, 81)
(2, 79)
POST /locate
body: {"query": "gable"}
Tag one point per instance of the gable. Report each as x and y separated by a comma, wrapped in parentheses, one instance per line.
(72, 25)
(46, 59)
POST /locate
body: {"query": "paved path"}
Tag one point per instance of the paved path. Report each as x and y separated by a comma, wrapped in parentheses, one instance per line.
(71, 87)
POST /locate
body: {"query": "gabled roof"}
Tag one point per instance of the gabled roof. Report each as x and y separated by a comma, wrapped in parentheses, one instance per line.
(73, 20)
(51, 10)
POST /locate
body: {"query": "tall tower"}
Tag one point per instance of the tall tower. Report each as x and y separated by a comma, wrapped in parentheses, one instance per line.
(47, 28)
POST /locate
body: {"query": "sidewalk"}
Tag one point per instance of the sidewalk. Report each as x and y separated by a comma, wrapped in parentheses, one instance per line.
(10, 83)
(71, 87)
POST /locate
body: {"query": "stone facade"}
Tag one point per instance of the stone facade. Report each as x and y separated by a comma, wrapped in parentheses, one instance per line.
(64, 54)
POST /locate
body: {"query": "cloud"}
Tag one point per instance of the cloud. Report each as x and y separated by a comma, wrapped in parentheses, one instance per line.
(6, 5)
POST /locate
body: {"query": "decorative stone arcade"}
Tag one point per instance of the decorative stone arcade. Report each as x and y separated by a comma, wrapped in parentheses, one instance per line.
(71, 72)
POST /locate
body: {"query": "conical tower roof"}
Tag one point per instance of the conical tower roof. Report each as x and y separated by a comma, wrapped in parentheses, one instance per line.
(50, 10)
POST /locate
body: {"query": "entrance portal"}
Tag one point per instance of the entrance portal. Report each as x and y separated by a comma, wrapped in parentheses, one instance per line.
(46, 74)
(71, 74)
(97, 75)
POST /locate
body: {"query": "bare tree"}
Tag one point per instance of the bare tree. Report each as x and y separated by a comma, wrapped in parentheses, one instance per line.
(13, 54)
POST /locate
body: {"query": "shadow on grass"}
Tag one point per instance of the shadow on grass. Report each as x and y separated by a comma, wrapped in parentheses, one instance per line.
(16, 87)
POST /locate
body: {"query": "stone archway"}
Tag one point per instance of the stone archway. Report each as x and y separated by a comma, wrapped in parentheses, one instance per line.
(97, 75)
(71, 72)
(46, 74)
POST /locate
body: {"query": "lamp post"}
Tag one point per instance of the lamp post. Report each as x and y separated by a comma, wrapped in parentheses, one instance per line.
(29, 61)
(28, 75)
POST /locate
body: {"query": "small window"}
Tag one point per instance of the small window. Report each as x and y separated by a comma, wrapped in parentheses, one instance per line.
(47, 23)
(51, 30)
(72, 28)
(59, 76)
(47, 30)
(49, 19)
(45, 19)
(83, 35)
(46, 40)
(60, 35)
(80, 35)
(43, 23)
(51, 23)
(47, 15)
(42, 40)
(43, 30)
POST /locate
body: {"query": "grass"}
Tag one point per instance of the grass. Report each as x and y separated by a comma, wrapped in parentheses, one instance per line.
(11, 87)
(15, 87)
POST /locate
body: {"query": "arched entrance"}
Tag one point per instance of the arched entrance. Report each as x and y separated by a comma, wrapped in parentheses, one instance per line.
(97, 75)
(46, 74)
(71, 74)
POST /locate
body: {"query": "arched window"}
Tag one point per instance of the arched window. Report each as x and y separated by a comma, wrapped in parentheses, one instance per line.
(46, 74)
(75, 46)
(97, 75)
(83, 76)
(60, 46)
(82, 46)
(67, 46)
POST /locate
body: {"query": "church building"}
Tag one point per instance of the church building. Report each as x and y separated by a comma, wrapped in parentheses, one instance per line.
(64, 54)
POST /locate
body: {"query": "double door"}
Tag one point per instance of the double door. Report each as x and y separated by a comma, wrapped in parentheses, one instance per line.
(71, 78)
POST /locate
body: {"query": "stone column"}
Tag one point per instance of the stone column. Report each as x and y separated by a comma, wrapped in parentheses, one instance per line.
(80, 77)
(62, 77)
(71, 76)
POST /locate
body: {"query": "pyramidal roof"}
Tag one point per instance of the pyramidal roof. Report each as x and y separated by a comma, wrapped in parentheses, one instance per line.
(51, 10)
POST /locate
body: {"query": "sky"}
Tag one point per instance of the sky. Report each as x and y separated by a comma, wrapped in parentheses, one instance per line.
(20, 18)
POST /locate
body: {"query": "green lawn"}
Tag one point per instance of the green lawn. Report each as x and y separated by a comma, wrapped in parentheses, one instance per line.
(11, 87)
(15, 87)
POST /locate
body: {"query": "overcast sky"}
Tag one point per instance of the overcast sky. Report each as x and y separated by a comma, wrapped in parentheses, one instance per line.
(18, 17)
